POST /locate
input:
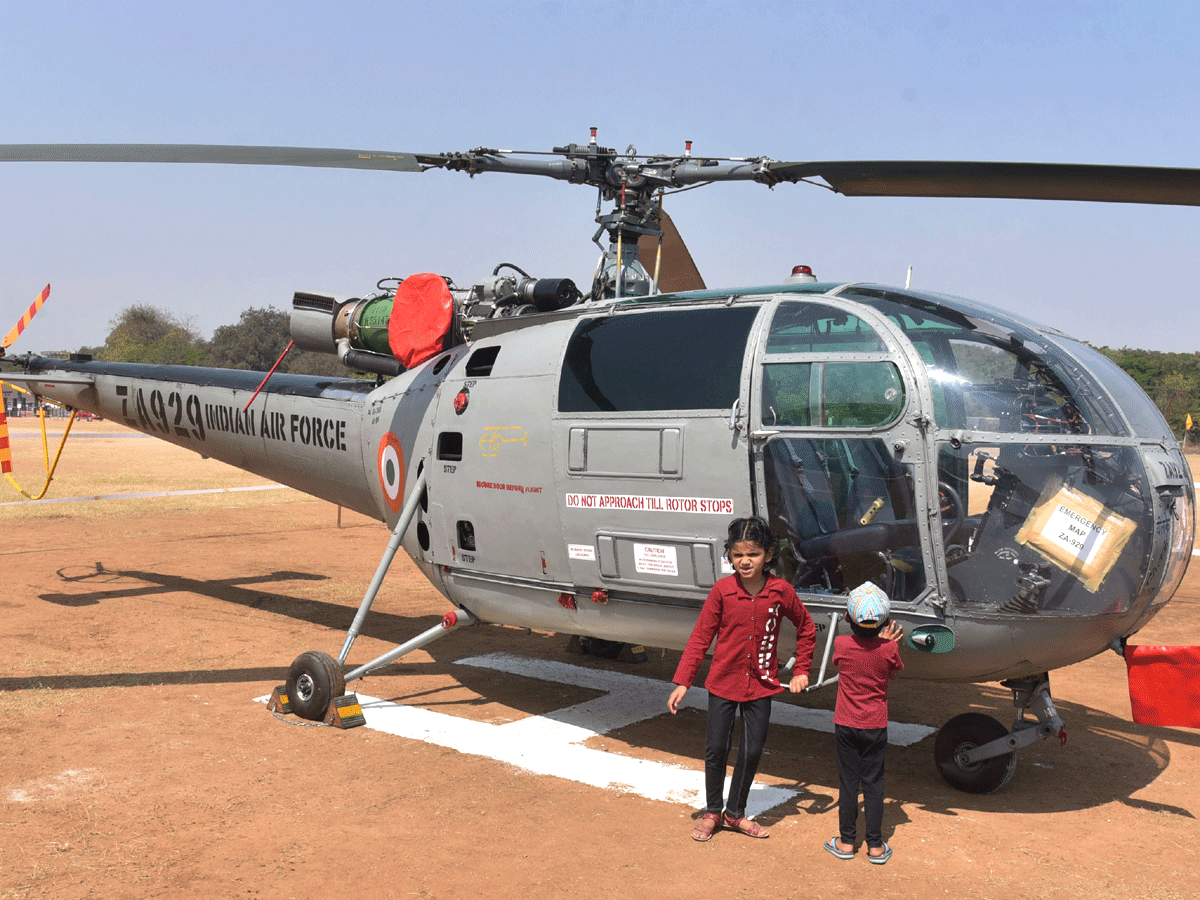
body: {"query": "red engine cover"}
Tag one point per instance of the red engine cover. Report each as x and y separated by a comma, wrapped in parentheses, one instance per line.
(421, 316)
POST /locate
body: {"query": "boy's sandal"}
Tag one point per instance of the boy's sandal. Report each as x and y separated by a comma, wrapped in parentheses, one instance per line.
(882, 858)
(747, 826)
(706, 826)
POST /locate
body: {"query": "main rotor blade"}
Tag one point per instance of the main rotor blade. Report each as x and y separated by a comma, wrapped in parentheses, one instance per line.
(213, 153)
(678, 270)
(1026, 181)
(915, 178)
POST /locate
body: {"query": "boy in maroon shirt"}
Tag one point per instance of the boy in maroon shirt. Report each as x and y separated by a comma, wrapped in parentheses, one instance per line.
(743, 612)
(866, 660)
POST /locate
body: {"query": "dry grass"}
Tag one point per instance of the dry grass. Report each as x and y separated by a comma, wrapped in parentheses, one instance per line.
(101, 459)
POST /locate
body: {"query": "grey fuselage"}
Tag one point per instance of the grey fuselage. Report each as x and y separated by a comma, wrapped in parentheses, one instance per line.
(1003, 482)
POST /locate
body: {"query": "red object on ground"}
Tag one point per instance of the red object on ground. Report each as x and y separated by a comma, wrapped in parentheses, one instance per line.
(1164, 685)
(421, 315)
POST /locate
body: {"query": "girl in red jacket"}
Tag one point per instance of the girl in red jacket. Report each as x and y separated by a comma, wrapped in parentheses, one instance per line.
(743, 612)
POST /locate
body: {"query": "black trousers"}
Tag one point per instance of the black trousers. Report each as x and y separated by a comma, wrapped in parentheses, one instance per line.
(860, 756)
(756, 717)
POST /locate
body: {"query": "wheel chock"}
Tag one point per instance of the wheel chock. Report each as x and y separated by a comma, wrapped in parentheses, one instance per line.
(279, 701)
(345, 712)
(636, 653)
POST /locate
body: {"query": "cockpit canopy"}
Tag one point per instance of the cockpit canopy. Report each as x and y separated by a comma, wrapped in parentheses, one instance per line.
(869, 410)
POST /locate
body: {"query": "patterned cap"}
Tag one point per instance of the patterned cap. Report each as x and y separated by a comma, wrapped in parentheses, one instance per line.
(868, 605)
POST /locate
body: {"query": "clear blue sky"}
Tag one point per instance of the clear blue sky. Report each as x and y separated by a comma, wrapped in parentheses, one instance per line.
(1047, 82)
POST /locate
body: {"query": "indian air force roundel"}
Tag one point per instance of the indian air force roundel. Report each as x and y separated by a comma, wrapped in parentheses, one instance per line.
(391, 471)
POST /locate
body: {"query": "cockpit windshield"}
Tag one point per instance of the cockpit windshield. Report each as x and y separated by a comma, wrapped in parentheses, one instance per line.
(994, 376)
(1048, 505)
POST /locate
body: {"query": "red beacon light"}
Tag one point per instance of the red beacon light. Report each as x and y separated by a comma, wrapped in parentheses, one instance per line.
(800, 275)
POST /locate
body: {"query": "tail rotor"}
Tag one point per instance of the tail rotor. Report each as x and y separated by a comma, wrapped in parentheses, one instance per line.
(24, 321)
(9, 340)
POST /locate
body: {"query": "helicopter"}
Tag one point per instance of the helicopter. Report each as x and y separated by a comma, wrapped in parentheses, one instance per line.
(565, 459)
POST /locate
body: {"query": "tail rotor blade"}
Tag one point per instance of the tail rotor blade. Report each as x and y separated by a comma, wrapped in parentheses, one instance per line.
(24, 320)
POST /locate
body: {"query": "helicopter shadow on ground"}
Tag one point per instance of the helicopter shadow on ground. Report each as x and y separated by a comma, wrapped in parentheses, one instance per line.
(1106, 759)
(244, 591)
(88, 586)
(104, 584)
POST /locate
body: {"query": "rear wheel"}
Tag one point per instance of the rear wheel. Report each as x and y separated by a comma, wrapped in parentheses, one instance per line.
(314, 679)
(961, 735)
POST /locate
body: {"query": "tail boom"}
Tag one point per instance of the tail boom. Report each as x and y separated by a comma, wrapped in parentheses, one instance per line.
(302, 431)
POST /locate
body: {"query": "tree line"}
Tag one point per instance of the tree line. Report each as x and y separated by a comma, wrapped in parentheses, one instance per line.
(146, 334)
(1172, 381)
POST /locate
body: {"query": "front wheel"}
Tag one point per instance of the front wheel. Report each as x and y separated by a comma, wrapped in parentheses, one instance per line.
(314, 679)
(963, 734)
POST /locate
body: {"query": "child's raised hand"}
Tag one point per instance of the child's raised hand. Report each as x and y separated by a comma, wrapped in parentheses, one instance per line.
(891, 631)
(676, 698)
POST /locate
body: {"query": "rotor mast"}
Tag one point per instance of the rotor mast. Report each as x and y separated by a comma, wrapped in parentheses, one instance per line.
(627, 181)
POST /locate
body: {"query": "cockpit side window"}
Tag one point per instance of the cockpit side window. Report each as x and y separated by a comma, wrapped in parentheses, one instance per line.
(802, 327)
(675, 360)
(816, 390)
(831, 394)
(845, 513)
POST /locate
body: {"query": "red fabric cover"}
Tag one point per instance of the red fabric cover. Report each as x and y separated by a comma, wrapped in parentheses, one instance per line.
(1164, 685)
(420, 319)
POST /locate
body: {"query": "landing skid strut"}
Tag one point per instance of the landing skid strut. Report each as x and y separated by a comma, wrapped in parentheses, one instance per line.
(316, 680)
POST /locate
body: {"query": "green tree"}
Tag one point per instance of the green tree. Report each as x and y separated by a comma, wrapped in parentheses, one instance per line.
(1172, 380)
(256, 340)
(146, 334)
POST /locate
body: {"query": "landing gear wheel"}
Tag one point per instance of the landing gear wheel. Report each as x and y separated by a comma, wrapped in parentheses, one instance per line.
(963, 734)
(314, 679)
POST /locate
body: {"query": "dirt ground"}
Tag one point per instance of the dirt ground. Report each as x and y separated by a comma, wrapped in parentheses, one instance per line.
(137, 633)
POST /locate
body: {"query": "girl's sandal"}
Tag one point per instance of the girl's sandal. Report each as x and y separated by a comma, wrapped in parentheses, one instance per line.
(706, 826)
(747, 826)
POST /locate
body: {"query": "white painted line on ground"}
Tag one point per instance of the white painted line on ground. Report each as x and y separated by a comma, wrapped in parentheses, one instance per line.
(553, 744)
(103, 435)
(226, 490)
(651, 696)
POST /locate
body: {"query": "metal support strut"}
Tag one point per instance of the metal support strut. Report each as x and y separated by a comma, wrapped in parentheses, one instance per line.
(452, 620)
(406, 517)
(834, 617)
(822, 681)
(1031, 693)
